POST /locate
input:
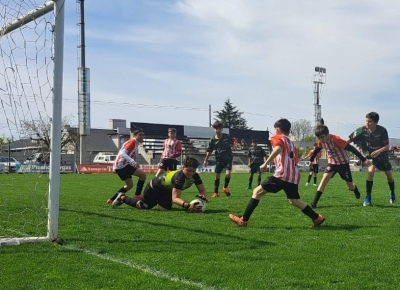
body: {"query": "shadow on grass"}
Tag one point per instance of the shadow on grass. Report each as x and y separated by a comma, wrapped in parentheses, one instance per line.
(223, 236)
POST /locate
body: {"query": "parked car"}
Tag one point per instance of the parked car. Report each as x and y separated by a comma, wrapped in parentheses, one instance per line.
(304, 166)
(104, 158)
(10, 164)
(38, 158)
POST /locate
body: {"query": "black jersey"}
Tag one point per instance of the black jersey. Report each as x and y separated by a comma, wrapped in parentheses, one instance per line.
(222, 147)
(370, 142)
(256, 155)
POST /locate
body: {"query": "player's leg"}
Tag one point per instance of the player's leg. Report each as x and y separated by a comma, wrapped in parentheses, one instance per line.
(292, 193)
(321, 187)
(125, 174)
(390, 180)
(218, 169)
(228, 172)
(142, 178)
(368, 185)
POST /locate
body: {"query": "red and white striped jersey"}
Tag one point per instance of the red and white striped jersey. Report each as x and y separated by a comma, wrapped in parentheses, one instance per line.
(126, 154)
(286, 160)
(172, 149)
(334, 148)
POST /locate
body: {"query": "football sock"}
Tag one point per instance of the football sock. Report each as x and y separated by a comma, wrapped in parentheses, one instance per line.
(369, 187)
(122, 189)
(227, 180)
(391, 186)
(250, 180)
(308, 211)
(356, 191)
(130, 201)
(216, 185)
(250, 208)
(317, 197)
(259, 180)
(309, 178)
(139, 187)
(315, 180)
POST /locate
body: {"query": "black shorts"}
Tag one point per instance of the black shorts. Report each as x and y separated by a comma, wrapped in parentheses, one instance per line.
(126, 172)
(273, 184)
(221, 164)
(152, 197)
(168, 164)
(343, 170)
(314, 168)
(382, 164)
(255, 168)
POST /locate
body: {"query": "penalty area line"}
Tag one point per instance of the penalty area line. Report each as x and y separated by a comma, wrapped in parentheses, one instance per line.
(144, 268)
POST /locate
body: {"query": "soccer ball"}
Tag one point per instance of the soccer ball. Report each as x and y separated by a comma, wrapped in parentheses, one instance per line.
(202, 203)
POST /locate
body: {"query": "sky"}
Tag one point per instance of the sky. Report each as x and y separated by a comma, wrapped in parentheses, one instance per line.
(169, 61)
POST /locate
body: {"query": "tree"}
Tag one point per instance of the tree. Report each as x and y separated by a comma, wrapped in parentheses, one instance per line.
(231, 117)
(302, 130)
(39, 131)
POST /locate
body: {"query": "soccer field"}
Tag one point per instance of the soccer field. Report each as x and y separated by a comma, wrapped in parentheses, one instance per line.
(124, 248)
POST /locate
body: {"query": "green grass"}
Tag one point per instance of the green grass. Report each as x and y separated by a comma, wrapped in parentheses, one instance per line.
(124, 248)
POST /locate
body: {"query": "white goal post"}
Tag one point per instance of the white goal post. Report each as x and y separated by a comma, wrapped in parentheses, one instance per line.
(14, 26)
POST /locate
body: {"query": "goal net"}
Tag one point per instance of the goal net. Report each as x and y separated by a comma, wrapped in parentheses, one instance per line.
(31, 53)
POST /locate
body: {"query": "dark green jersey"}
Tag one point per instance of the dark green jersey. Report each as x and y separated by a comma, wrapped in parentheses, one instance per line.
(222, 147)
(257, 155)
(369, 142)
(175, 179)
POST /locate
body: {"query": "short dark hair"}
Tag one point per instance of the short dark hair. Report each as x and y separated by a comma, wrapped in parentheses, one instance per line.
(190, 161)
(283, 125)
(171, 130)
(374, 116)
(321, 130)
(137, 131)
(217, 125)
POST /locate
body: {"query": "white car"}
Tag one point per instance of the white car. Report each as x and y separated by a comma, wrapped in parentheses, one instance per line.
(10, 164)
(304, 166)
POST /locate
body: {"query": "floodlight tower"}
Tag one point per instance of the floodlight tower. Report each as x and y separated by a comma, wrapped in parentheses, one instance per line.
(83, 90)
(319, 81)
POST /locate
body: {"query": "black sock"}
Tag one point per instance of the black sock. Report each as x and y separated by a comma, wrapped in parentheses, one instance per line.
(130, 201)
(216, 185)
(250, 180)
(227, 180)
(356, 192)
(317, 197)
(122, 189)
(308, 211)
(309, 178)
(315, 180)
(369, 187)
(391, 186)
(259, 180)
(139, 187)
(250, 208)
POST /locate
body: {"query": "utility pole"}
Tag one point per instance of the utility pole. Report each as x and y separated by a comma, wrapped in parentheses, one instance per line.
(319, 81)
(83, 90)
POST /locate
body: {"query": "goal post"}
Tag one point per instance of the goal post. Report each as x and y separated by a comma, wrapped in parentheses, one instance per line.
(13, 95)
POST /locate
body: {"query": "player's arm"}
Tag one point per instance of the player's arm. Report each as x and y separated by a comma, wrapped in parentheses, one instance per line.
(315, 153)
(353, 150)
(202, 192)
(275, 151)
(178, 149)
(208, 154)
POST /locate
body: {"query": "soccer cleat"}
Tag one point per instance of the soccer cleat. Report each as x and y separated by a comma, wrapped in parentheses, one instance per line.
(215, 195)
(318, 221)
(357, 194)
(226, 191)
(238, 220)
(249, 187)
(306, 183)
(392, 199)
(117, 202)
(314, 184)
(367, 201)
(109, 201)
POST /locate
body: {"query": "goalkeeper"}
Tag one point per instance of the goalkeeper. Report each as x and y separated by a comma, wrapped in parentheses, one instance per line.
(167, 189)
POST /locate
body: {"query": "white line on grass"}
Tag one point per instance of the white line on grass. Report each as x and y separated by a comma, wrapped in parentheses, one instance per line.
(146, 269)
